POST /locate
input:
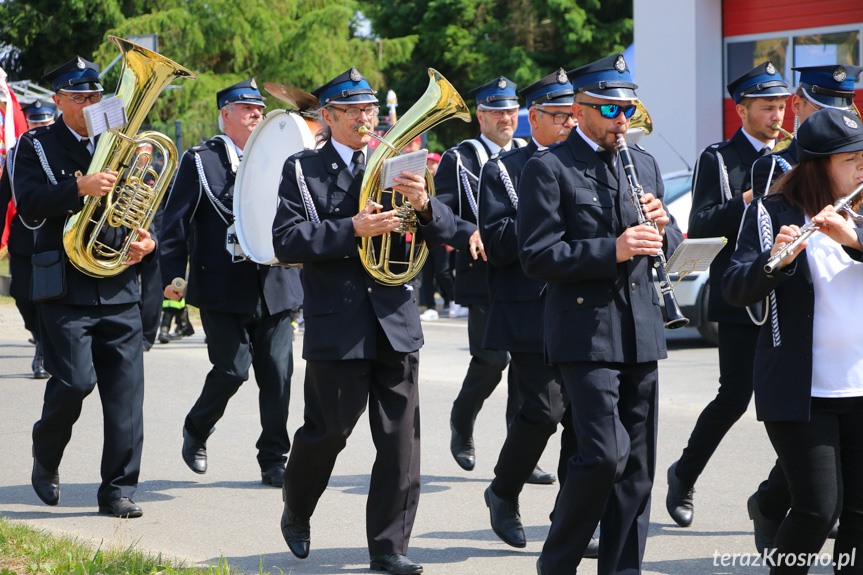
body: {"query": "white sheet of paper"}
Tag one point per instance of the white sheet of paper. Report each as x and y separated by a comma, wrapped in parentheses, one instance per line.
(392, 168)
(105, 115)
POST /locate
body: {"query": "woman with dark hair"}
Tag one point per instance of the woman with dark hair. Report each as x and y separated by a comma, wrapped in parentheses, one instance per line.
(809, 359)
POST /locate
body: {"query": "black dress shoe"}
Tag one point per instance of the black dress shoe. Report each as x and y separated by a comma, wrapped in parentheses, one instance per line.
(462, 449)
(297, 533)
(38, 364)
(397, 564)
(592, 551)
(46, 483)
(505, 519)
(679, 501)
(540, 477)
(764, 527)
(194, 452)
(121, 507)
(273, 476)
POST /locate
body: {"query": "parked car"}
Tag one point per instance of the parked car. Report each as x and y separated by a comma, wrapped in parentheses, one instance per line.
(693, 290)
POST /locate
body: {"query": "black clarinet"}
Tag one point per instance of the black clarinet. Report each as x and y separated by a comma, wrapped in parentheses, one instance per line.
(671, 312)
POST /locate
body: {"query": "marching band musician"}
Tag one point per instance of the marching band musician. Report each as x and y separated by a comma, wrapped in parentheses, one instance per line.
(808, 371)
(245, 307)
(362, 338)
(517, 304)
(720, 194)
(91, 327)
(578, 232)
(457, 185)
(22, 241)
(819, 87)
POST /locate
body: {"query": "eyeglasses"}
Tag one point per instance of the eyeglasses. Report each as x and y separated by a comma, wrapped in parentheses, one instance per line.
(80, 98)
(611, 111)
(559, 118)
(498, 114)
(354, 113)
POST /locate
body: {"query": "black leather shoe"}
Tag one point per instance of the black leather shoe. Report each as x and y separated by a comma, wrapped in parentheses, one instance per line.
(194, 452)
(397, 564)
(539, 569)
(679, 501)
(273, 476)
(297, 533)
(505, 519)
(462, 449)
(764, 527)
(592, 551)
(45, 483)
(38, 364)
(540, 477)
(121, 507)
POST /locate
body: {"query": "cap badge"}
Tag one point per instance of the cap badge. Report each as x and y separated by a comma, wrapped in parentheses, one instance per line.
(355, 75)
(849, 122)
(770, 69)
(561, 76)
(839, 74)
(620, 63)
(81, 65)
(253, 84)
(501, 83)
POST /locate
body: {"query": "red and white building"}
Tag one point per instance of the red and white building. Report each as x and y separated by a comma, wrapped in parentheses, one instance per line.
(687, 51)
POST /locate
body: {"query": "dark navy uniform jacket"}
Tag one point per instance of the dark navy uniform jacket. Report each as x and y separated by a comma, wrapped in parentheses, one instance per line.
(344, 307)
(517, 302)
(38, 199)
(767, 169)
(215, 283)
(783, 375)
(22, 239)
(571, 211)
(714, 215)
(471, 275)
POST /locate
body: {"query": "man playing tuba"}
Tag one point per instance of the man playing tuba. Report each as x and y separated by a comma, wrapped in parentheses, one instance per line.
(91, 326)
(362, 338)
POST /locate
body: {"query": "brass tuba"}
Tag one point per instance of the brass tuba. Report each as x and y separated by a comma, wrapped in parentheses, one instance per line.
(439, 103)
(145, 73)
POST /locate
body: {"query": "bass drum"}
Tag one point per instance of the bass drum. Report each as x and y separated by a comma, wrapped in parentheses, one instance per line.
(278, 136)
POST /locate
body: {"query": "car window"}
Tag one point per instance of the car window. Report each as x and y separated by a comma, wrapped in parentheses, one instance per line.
(676, 186)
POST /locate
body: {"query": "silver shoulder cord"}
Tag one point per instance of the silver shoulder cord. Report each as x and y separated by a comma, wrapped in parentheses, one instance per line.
(37, 145)
(723, 178)
(507, 183)
(206, 185)
(311, 211)
(765, 234)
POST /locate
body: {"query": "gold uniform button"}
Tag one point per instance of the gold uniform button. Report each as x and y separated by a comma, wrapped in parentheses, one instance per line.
(337, 209)
(580, 300)
(633, 286)
(370, 290)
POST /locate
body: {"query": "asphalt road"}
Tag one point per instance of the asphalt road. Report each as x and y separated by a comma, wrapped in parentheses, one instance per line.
(228, 514)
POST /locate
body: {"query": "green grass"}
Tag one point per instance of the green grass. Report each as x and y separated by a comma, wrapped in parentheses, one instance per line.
(24, 550)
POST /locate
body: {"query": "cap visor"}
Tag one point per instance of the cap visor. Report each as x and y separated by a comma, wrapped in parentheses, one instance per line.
(828, 101)
(772, 92)
(614, 94)
(499, 105)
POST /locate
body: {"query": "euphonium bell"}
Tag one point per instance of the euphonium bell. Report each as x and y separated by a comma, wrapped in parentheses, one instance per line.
(88, 235)
(439, 103)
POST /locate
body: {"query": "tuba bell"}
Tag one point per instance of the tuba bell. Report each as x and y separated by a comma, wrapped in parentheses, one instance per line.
(85, 235)
(439, 103)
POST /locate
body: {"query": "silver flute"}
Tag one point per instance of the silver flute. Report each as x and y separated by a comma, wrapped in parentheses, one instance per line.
(842, 204)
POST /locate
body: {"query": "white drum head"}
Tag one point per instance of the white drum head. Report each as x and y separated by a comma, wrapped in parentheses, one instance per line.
(280, 135)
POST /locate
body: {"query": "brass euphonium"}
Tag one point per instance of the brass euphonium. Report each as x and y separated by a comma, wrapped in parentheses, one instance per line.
(439, 103)
(145, 73)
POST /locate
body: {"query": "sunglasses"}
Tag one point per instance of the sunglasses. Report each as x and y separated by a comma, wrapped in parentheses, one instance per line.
(611, 111)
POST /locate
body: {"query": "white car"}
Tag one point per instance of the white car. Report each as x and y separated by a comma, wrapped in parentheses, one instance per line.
(692, 291)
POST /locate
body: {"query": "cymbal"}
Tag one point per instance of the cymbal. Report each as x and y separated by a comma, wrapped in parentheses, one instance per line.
(293, 96)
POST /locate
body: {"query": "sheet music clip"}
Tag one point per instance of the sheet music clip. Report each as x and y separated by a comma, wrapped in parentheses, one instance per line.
(694, 255)
(107, 114)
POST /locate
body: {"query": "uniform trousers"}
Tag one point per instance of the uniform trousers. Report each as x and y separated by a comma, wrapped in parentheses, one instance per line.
(736, 361)
(535, 422)
(236, 342)
(774, 498)
(85, 346)
(336, 393)
(614, 416)
(483, 374)
(823, 461)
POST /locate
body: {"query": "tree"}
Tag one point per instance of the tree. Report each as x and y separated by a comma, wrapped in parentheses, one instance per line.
(473, 41)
